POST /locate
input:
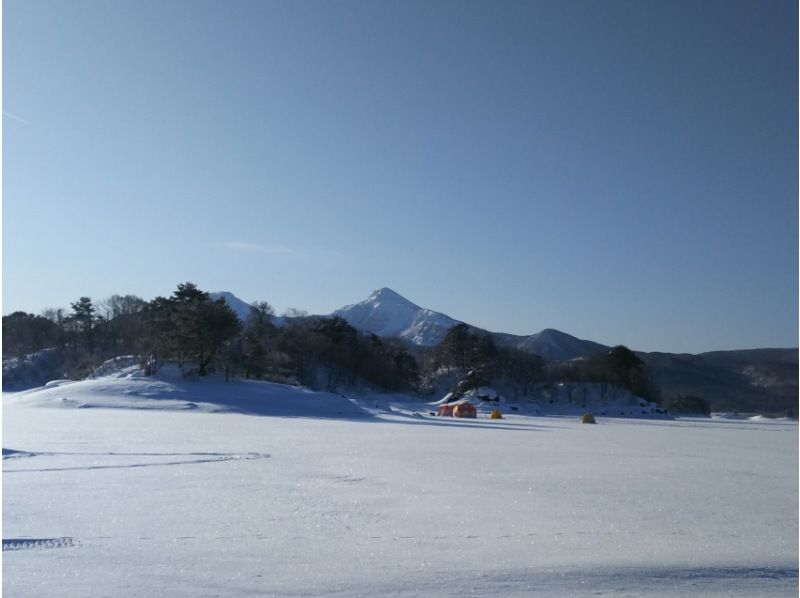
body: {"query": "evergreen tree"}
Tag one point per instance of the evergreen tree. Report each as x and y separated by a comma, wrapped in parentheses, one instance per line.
(83, 317)
(218, 324)
(259, 334)
(338, 348)
(455, 348)
(189, 326)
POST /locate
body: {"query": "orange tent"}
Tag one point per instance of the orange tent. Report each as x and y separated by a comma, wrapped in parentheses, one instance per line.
(465, 410)
(446, 409)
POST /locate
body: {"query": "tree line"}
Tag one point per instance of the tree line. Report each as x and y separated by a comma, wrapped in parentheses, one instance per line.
(619, 366)
(204, 335)
(482, 363)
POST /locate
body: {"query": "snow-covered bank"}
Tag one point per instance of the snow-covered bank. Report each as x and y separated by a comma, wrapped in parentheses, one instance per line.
(32, 370)
(128, 388)
(213, 501)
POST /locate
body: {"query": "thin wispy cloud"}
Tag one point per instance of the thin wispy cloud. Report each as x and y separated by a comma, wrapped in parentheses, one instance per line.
(254, 247)
(19, 119)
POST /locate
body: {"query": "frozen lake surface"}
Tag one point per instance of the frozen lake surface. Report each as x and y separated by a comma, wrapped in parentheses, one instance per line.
(134, 487)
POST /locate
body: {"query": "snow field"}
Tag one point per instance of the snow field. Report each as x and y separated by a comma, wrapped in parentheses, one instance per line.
(164, 501)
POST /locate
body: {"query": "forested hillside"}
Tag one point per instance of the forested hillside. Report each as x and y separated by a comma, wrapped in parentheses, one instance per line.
(204, 334)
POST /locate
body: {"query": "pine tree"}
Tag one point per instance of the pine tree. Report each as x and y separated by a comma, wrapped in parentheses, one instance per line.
(83, 317)
(189, 326)
(259, 333)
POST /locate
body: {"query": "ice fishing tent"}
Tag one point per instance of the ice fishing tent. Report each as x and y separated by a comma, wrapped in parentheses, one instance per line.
(446, 409)
(496, 414)
(465, 410)
(587, 418)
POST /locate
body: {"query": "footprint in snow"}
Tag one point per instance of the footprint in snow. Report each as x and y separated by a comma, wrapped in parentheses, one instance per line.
(29, 543)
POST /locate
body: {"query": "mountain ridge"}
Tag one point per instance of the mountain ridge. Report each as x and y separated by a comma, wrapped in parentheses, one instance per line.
(387, 313)
(357, 314)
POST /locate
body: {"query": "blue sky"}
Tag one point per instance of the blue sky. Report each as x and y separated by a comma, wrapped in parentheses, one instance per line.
(622, 171)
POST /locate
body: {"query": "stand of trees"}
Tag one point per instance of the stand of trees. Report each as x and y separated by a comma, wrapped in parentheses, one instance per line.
(206, 336)
(187, 327)
(25, 333)
(481, 362)
(619, 366)
(689, 404)
(329, 353)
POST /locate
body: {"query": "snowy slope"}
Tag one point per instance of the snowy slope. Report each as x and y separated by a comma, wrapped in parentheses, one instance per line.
(386, 313)
(32, 370)
(128, 388)
(179, 502)
(240, 308)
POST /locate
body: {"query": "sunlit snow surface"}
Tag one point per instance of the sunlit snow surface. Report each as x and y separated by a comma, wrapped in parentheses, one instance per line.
(249, 489)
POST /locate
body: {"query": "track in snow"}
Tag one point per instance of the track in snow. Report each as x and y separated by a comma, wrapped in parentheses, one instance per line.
(29, 543)
(10, 455)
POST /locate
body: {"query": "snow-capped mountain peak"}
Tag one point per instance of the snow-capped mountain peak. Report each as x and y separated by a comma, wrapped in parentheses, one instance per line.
(387, 313)
(386, 296)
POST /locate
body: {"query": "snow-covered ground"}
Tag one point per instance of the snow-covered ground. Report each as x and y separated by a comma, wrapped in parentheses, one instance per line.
(189, 488)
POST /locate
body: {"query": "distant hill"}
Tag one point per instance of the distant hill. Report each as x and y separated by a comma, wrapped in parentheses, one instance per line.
(552, 344)
(752, 380)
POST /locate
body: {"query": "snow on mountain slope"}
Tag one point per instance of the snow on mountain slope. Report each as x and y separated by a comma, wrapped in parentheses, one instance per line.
(240, 308)
(386, 313)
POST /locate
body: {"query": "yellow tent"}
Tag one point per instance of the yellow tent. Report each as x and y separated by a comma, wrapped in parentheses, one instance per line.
(496, 414)
(587, 418)
(464, 410)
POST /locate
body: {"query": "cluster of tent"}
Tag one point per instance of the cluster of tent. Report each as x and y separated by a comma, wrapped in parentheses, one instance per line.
(463, 408)
(458, 409)
(452, 406)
